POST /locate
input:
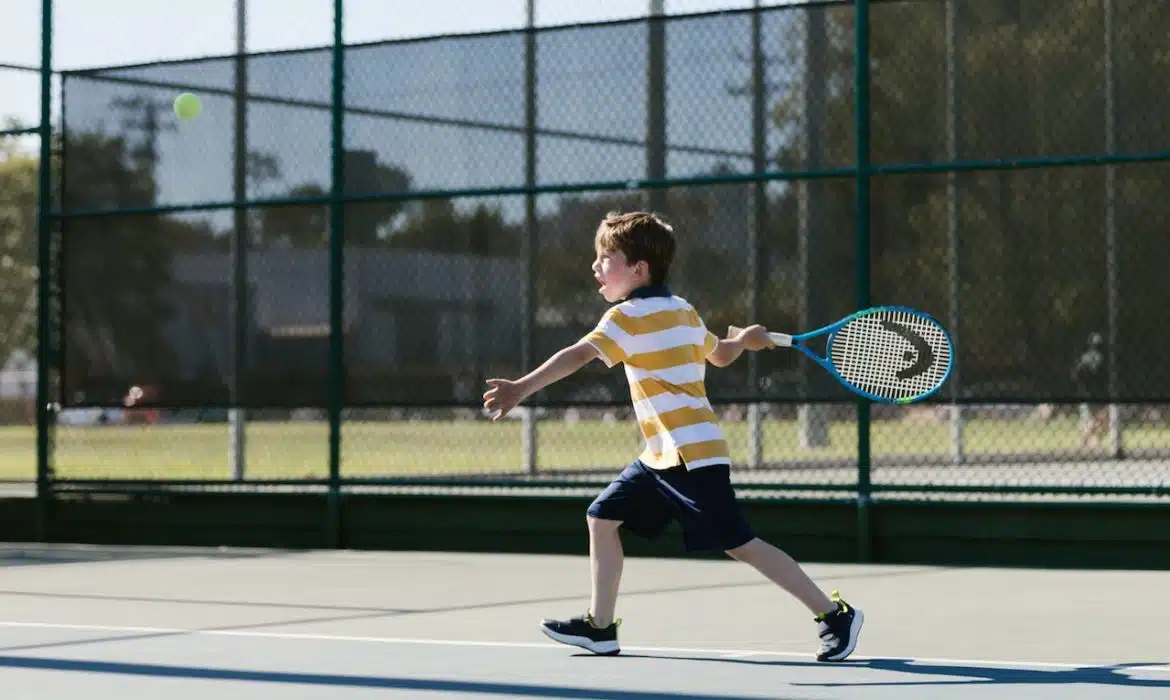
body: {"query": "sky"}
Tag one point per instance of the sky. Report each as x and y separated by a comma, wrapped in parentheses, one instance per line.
(98, 33)
(578, 92)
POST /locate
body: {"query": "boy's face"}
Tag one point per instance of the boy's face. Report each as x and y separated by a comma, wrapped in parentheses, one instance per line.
(616, 275)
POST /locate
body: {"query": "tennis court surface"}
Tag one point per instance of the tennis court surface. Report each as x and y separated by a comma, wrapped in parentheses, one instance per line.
(183, 624)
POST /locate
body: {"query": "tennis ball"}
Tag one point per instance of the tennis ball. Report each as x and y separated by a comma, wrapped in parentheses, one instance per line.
(187, 106)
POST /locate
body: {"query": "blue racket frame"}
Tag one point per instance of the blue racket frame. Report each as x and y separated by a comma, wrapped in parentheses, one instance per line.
(797, 341)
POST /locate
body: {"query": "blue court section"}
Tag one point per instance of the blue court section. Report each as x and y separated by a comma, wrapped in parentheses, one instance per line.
(126, 623)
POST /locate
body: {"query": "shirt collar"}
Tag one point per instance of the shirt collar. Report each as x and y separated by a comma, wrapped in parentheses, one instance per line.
(649, 290)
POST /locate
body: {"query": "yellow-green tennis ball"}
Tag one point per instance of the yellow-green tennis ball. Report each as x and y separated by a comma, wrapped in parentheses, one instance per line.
(187, 106)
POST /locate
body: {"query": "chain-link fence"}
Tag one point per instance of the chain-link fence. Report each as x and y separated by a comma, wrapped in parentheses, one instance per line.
(19, 174)
(314, 278)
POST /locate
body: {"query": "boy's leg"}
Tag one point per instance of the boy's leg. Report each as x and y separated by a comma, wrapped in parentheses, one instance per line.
(629, 501)
(783, 570)
(713, 513)
(838, 623)
(605, 559)
(713, 518)
(596, 630)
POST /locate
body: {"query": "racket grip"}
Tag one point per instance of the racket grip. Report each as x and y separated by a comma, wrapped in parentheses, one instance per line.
(781, 339)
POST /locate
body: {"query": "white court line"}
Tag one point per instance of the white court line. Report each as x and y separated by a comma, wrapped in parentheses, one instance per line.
(726, 653)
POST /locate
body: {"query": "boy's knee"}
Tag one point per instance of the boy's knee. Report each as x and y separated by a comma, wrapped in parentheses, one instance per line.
(746, 552)
(740, 553)
(601, 525)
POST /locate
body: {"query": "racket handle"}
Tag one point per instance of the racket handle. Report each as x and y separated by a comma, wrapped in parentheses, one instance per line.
(781, 339)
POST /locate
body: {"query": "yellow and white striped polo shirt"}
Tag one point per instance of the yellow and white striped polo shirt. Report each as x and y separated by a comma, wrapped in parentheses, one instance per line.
(664, 345)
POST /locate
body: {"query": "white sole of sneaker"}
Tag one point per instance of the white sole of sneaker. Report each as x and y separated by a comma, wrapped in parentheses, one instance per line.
(607, 647)
(854, 629)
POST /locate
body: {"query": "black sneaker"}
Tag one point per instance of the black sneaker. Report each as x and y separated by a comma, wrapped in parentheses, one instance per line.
(838, 630)
(580, 631)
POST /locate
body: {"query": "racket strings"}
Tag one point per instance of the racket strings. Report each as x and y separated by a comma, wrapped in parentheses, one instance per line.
(870, 356)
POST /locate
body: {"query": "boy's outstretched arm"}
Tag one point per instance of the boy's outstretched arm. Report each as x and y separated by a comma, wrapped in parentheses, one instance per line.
(506, 394)
(728, 350)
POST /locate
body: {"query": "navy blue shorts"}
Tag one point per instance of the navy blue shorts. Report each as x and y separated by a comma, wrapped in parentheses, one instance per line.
(702, 500)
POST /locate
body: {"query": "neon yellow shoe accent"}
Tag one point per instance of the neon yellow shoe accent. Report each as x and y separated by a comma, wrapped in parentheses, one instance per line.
(835, 597)
(589, 618)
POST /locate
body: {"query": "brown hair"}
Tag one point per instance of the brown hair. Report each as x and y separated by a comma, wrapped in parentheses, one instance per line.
(639, 235)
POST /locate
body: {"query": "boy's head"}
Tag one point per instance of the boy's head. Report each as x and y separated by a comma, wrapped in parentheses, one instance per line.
(633, 250)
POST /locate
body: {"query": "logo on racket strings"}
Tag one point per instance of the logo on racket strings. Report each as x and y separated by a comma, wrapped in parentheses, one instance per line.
(923, 356)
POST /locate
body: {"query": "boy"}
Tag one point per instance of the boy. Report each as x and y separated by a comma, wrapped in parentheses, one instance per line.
(683, 472)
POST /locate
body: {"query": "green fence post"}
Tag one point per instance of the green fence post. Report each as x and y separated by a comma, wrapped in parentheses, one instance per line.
(757, 228)
(336, 279)
(44, 260)
(237, 415)
(528, 246)
(862, 117)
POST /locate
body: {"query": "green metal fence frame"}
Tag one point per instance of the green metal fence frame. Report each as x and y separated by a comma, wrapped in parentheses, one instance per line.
(44, 254)
(862, 171)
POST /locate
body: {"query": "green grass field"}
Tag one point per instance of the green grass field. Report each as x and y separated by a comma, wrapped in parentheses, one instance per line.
(298, 450)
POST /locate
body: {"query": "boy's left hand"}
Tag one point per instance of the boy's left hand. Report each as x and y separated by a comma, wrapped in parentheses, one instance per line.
(502, 397)
(756, 338)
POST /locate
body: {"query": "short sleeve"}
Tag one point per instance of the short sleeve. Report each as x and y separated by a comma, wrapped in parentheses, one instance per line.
(606, 337)
(710, 342)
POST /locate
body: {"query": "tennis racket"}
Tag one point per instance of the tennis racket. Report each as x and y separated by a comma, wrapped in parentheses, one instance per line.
(888, 354)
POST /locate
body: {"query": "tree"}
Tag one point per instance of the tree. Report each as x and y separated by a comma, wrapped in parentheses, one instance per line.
(438, 225)
(366, 223)
(1032, 245)
(18, 250)
(296, 225)
(117, 280)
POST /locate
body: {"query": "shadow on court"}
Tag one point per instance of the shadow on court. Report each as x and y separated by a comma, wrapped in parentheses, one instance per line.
(344, 681)
(972, 674)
